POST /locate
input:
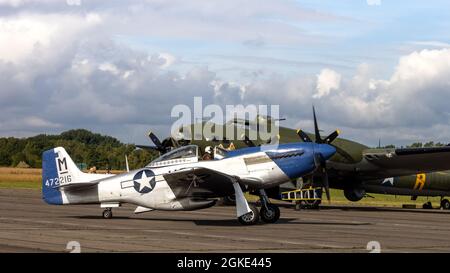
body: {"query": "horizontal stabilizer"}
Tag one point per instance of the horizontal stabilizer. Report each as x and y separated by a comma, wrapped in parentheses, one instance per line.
(77, 185)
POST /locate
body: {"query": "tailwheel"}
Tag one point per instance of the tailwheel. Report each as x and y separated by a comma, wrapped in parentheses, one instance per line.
(445, 204)
(250, 218)
(270, 213)
(107, 213)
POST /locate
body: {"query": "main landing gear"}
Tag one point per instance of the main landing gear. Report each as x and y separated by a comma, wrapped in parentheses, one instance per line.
(269, 213)
(445, 204)
(107, 213)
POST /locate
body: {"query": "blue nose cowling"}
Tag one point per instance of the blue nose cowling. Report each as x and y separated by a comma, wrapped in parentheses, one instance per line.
(326, 151)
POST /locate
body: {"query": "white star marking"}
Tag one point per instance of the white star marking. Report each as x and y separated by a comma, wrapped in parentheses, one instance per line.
(144, 181)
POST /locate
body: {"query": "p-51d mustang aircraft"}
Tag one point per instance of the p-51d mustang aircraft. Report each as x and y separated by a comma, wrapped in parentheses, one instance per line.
(179, 181)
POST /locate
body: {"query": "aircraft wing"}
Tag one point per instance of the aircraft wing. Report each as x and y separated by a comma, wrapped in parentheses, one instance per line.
(200, 183)
(404, 161)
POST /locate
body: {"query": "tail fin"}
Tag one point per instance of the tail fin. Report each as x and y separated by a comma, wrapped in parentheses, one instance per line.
(59, 170)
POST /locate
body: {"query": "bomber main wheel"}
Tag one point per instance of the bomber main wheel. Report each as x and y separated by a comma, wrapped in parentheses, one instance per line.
(250, 218)
(445, 204)
(427, 205)
(271, 214)
(107, 214)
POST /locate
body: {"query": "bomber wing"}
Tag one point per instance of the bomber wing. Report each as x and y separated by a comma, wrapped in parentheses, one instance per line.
(382, 163)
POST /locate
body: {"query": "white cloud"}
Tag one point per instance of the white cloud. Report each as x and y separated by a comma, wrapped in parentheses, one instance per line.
(26, 35)
(73, 2)
(373, 2)
(431, 44)
(327, 80)
(37, 122)
(109, 67)
(12, 3)
(61, 70)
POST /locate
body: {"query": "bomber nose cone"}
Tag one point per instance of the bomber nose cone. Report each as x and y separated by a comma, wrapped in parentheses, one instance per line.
(326, 150)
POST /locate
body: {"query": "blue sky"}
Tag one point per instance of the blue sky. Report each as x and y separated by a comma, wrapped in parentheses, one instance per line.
(118, 67)
(356, 32)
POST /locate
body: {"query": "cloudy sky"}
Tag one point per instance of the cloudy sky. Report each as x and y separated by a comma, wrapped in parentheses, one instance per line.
(375, 69)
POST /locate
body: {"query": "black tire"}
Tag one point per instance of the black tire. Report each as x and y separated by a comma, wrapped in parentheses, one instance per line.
(107, 214)
(445, 204)
(250, 218)
(427, 205)
(271, 214)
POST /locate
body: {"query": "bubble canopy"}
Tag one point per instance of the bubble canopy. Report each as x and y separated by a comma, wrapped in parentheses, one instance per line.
(189, 151)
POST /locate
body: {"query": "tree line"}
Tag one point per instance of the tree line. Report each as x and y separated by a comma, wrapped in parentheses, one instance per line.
(90, 149)
(83, 146)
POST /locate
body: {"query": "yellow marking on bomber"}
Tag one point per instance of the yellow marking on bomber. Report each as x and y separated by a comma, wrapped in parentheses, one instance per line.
(420, 181)
(231, 147)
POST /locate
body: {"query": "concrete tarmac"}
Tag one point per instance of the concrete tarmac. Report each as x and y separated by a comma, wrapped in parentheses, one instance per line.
(27, 224)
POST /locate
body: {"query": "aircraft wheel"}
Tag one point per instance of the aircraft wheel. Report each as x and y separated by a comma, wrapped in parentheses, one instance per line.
(250, 218)
(445, 204)
(107, 214)
(271, 214)
(427, 205)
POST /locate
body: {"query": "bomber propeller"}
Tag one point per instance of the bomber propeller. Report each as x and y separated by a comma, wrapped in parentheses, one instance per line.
(162, 147)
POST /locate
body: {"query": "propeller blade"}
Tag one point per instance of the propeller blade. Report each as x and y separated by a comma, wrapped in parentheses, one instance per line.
(326, 184)
(316, 128)
(331, 137)
(155, 139)
(303, 136)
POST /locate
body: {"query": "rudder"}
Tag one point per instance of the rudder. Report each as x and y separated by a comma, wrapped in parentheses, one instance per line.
(57, 169)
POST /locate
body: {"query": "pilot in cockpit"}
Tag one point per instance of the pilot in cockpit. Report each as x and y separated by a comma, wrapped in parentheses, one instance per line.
(208, 155)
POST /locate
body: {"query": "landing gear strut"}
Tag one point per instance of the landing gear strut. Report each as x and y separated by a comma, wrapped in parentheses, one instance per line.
(269, 213)
(107, 213)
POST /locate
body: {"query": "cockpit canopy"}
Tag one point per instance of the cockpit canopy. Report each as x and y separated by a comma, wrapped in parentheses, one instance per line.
(184, 154)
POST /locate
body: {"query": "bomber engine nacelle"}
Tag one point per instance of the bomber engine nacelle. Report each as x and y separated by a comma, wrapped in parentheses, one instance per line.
(354, 194)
